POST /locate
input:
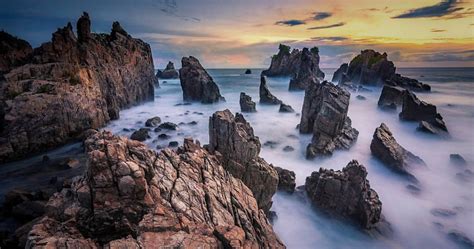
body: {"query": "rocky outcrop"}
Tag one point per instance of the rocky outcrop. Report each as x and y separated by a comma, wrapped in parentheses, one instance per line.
(385, 148)
(72, 84)
(390, 97)
(346, 194)
(287, 180)
(133, 197)
(246, 103)
(13, 52)
(266, 97)
(233, 138)
(414, 109)
(324, 114)
(286, 108)
(168, 73)
(339, 73)
(308, 72)
(196, 83)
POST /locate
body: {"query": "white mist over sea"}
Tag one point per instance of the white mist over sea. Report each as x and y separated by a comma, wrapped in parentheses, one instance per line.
(298, 224)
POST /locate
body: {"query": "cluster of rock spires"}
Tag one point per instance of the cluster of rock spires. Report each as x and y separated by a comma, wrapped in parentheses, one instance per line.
(51, 94)
(373, 68)
(168, 73)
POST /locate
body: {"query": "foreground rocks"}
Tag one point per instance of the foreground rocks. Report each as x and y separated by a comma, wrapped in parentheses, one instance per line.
(168, 73)
(246, 103)
(308, 72)
(390, 97)
(266, 97)
(324, 114)
(169, 199)
(346, 194)
(414, 109)
(196, 83)
(69, 85)
(386, 149)
(233, 138)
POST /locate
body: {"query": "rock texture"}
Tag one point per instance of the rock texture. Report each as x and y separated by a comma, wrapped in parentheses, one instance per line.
(308, 72)
(13, 52)
(339, 73)
(168, 73)
(196, 83)
(324, 114)
(69, 85)
(233, 138)
(414, 109)
(266, 97)
(133, 197)
(345, 193)
(386, 149)
(246, 103)
(287, 180)
(390, 97)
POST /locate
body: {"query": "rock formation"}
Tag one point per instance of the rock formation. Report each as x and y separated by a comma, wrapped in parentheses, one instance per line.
(233, 138)
(386, 149)
(168, 73)
(13, 52)
(324, 114)
(133, 197)
(338, 74)
(196, 83)
(390, 97)
(266, 97)
(308, 72)
(287, 180)
(285, 108)
(69, 85)
(346, 194)
(246, 103)
(414, 109)
(248, 71)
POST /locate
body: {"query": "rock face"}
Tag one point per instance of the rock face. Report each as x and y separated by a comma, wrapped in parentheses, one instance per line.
(324, 114)
(266, 97)
(13, 52)
(308, 72)
(69, 85)
(386, 149)
(233, 138)
(346, 194)
(414, 109)
(133, 197)
(168, 73)
(338, 74)
(287, 180)
(246, 103)
(390, 96)
(196, 83)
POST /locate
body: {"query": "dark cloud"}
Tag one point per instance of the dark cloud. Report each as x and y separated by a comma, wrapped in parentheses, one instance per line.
(438, 30)
(329, 26)
(321, 15)
(441, 9)
(329, 38)
(290, 22)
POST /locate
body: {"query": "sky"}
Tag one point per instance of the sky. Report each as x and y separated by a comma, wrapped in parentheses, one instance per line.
(246, 33)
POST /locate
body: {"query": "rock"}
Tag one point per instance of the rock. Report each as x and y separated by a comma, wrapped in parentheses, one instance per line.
(360, 97)
(152, 122)
(248, 71)
(163, 136)
(168, 126)
(287, 180)
(13, 52)
(193, 123)
(308, 73)
(457, 159)
(173, 144)
(385, 148)
(414, 109)
(271, 144)
(234, 139)
(338, 74)
(266, 97)
(408, 83)
(414, 189)
(441, 212)
(287, 63)
(140, 135)
(286, 108)
(28, 210)
(465, 176)
(70, 85)
(246, 103)
(390, 97)
(288, 148)
(133, 197)
(345, 193)
(324, 114)
(196, 83)
(461, 239)
(168, 73)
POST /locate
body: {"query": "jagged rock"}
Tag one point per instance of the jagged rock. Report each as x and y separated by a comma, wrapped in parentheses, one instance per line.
(414, 109)
(234, 139)
(13, 52)
(346, 194)
(287, 180)
(266, 97)
(308, 73)
(457, 159)
(248, 71)
(386, 149)
(286, 108)
(140, 135)
(407, 83)
(246, 103)
(168, 126)
(324, 114)
(196, 83)
(152, 122)
(390, 97)
(338, 74)
(133, 197)
(168, 73)
(70, 85)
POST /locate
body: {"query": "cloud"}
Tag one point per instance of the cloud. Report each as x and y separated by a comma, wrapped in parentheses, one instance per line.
(329, 26)
(329, 39)
(321, 15)
(438, 30)
(292, 22)
(441, 9)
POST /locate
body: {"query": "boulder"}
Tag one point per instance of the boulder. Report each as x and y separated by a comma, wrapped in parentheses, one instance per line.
(385, 148)
(308, 72)
(168, 73)
(324, 114)
(391, 96)
(339, 73)
(286, 108)
(69, 85)
(266, 97)
(140, 135)
(246, 103)
(287, 180)
(457, 159)
(134, 197)
(196, 83)
(346, 194)
(360, 97)
(13, 52)
(168, 126)
(233, 138)
(248, 71)
(153, 122)
(414, 109)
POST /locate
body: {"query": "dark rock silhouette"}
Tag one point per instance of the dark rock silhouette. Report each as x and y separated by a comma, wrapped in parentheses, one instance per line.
(168, 73)
(286, 108)
(246, 103)
(286, 181)
(266, 97)
(308, 72)
(248, 71)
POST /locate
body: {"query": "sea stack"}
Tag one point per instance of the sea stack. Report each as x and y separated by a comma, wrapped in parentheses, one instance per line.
(266, 97)
(246, 103)
(168, 73)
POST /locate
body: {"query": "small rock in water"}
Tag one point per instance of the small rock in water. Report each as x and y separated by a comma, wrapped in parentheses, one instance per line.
(465, 176)
(461, 239)
(285, 108)
(457, 159)
(271, 144)
(126, 129)
(152, 122)
(157, 129)
(168, 126)
(173, 144)
(140, 135)
(413, 189)
(293, 136)
(193, 123)
(246, 103)
(163, 136)
(248, 71)
(360, 97)
(288, 148)
(441, 212)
